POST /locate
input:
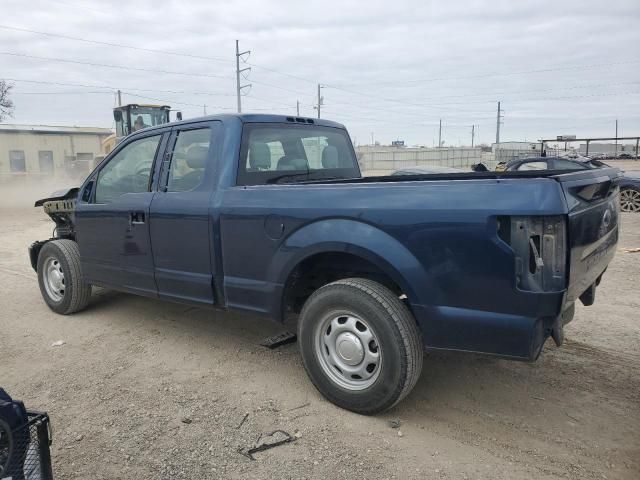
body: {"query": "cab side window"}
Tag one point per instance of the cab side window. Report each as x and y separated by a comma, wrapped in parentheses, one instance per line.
(559, 164)
(189, 160)
(129, 171)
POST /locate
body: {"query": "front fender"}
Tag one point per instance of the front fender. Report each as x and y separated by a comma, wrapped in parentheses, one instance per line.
(355, 237)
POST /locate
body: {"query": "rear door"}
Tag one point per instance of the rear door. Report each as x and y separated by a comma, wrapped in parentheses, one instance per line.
(180, 225)
(112, 218)
(593, 203)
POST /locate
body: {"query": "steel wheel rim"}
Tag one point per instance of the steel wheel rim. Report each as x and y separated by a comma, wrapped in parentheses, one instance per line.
(348, 350)
(53, 277)
(630, 200)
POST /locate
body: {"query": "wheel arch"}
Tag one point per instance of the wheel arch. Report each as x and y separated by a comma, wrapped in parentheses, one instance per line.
(341, 245)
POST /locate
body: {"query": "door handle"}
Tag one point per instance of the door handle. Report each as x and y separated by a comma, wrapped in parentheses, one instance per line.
(136, 218)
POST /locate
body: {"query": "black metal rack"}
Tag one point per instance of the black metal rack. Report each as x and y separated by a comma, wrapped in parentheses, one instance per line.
(24, 452)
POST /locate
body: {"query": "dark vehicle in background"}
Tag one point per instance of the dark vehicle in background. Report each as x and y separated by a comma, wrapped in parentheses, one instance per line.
(629, 183)
(630, 192)
(269, 214)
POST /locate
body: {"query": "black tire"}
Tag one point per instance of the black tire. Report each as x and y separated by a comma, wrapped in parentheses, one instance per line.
(398, 339)
(76, 293)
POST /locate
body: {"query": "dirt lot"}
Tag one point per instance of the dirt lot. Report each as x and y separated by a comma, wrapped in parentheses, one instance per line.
(132, 369)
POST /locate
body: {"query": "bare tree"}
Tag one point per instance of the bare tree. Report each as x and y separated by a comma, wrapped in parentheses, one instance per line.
(6, 105)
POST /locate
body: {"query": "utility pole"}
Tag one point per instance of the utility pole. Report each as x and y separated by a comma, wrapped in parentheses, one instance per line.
(372, 138)
(204, 108)
(498, 122)
(473, 134)
(298, 107)
(119, 98)
(440, 135)
(238, 72)
(320, 100)
(616, 138)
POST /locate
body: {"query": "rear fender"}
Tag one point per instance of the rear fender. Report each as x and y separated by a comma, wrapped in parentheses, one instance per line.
(357, 238)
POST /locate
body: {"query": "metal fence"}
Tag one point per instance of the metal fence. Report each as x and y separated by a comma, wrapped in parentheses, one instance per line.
(385, 160)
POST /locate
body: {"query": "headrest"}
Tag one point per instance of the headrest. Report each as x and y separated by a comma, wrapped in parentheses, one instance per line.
(330, 157)
(197, 156)
(260, 156)
(292, 163)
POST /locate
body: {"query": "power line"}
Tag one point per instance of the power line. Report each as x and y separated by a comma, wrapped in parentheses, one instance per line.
(111, 89)
(61, 93)
(501, 94)
(107, 87)
(121, 67)
(110, 44)
(500, 74)
(151, 50)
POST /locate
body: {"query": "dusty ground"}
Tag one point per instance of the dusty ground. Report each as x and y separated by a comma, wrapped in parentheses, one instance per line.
(132, 369)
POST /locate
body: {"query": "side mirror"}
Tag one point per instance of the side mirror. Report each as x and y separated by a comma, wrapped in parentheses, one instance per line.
(117, 115)
(178, 116)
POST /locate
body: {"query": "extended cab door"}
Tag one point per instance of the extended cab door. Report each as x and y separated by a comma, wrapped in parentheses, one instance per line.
(112, 218)
(181, 229)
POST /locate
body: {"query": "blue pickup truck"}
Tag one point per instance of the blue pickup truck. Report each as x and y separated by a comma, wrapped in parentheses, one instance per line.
(269, 214)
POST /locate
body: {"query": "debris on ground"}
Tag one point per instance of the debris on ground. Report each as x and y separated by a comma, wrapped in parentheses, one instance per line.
(300, 406)
(394, 423)
(631, 250)
(278, 340)
(244, 419)
(58, 343)
(186, 420)
(267, 442)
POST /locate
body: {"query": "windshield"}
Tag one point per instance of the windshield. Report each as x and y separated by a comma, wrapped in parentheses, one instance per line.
(143, 117)
(285, 153)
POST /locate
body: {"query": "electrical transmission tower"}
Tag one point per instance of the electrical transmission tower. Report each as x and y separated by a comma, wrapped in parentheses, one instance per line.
(499, 122)
(239, 88)
(320, 100)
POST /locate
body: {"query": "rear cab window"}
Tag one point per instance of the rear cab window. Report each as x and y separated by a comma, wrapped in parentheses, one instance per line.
(289, 153)
(540, 165)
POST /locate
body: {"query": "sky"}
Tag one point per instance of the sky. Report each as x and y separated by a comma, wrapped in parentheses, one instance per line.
(388, 70)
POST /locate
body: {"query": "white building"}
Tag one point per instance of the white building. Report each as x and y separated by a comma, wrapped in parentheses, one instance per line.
(506, 151)
(43, 150)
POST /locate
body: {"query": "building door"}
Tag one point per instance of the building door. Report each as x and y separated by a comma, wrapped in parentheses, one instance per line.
(17, 163)
(45, 159)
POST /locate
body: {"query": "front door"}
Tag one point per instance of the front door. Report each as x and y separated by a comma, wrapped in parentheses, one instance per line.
(112, 219)
(181, 228)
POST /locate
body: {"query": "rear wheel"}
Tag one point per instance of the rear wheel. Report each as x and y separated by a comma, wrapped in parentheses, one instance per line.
(360, 345)
(630, 199)
(60, 277)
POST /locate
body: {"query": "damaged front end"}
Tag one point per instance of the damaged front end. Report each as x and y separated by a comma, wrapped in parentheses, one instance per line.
(60, 206)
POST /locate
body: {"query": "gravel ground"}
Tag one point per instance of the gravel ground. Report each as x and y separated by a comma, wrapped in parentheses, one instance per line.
(150, 390)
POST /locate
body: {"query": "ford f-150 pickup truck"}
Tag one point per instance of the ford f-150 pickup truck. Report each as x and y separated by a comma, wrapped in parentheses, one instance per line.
(269, 214)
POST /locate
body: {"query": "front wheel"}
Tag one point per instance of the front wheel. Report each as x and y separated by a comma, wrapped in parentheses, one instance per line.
(360, 345)
(60, 277)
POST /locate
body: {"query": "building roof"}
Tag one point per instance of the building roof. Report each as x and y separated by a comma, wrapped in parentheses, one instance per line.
(54, 129)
